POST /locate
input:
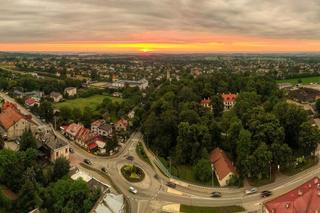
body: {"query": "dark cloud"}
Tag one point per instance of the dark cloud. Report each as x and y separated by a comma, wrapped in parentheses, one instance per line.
(117, 20)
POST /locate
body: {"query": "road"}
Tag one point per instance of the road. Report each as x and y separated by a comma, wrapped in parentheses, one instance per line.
(152, 191)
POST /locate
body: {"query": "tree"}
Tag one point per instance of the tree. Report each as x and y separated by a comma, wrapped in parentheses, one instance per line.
(61, 168)
(281, 154)
(46, 110)
(318, 105)
(29, 197)
(309, 138)
(217, 105)
(27, 141)
(263, 159)
(65, 113)
(202, 170)
(1, 141)
(76, 114)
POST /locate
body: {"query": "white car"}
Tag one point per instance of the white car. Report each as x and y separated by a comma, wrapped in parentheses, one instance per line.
(251, 191)
(133, 190)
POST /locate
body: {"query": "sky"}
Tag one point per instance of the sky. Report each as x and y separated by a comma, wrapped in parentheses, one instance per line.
(160, 26)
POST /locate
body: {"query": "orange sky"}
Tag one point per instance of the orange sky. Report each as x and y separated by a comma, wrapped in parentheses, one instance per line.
(205, 46)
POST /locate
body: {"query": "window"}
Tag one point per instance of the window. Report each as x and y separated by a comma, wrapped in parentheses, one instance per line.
(57, 154)
(66, 150)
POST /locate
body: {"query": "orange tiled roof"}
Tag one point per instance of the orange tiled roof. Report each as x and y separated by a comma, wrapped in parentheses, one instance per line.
(230, 97)
(304, 198)
(222, 164)
(9, 117)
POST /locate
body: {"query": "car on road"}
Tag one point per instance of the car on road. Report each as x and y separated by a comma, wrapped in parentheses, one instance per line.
(130, 158)
(87, 161)
(216, 194)
(251, 191)
(266, 193)
(172, 185)
(133, 190)
(103, 169)
(71, 150)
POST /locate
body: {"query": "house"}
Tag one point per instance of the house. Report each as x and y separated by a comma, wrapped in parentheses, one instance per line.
(102, 128)
(72, 130)
(31, 102)
(222, 166)
(110, 203)
(141, 84)
(131, 114)
(304, 198)
(206, 102)
(8, 105)
(229, 100)
(56, 96)
(54, 146)
(122, 125)
(15, 123)
(70, 91)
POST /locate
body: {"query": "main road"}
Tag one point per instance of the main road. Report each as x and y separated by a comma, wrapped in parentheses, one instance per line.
(153, 192)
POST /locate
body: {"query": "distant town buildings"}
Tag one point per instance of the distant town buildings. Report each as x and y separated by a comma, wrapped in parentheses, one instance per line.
(141, 84)
(70, 91)
(56, 96)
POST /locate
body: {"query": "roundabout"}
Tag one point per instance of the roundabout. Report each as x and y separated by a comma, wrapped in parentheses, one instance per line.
(132, 173)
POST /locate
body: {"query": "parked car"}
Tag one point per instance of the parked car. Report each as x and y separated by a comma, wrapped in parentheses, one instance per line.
(216, 194)
(130, 158)
(172, 185)
(87, 161)
(71, 150)
(251, 191)
(133, 190)
(104, 169)
(266, 193)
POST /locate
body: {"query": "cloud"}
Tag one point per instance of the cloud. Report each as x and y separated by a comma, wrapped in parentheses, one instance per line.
(149, 20)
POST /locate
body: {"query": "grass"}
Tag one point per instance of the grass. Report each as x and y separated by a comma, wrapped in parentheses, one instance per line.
(81, 103)
(305, 80)
(224, 209)
(142, 154)
(261, 182)
(185, 173)
(132, 173)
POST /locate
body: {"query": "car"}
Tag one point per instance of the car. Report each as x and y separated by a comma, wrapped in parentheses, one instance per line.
(133, 190)
(172, 185)
(130, 158)
(266, 193)
(251, 191)
(104, 169)
(216, 194)
(87, 161)
(71, 150)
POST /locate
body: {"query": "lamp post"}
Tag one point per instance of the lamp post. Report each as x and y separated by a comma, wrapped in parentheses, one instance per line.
(212, 171)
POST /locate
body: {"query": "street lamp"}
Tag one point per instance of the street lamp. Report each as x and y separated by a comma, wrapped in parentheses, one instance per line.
(212, 171)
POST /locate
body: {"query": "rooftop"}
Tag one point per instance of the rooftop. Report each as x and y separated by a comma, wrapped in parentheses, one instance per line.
(222, 164)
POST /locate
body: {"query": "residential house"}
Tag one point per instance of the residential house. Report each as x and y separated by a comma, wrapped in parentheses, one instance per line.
(70, 91)
(56, 96)
(95, 125)
(304, 198)
(8, 105)
(222, 165)
(31, 102)
(229, 100)
(110, 203)
(206, 102)
(72, 130)
(102, 128)
(122, 125)
(15, 123)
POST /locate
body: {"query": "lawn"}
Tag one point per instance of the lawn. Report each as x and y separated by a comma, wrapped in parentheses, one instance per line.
(305, 80)
(185, 173)
(81, 103)
(224, 209)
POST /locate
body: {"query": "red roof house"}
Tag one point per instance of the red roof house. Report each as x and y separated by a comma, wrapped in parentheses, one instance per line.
(229, 100)
(122, 125)
(30, 102)
(9, 117)
(222, 165)
(304, 198)
(7, 105)
(206, 103)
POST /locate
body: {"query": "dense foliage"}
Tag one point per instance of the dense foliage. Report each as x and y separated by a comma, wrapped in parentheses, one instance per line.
(261, 130)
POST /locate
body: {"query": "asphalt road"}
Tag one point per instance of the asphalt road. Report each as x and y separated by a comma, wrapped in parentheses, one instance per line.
(153, 191)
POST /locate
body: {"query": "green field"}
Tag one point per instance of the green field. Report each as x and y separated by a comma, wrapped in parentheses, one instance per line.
(305, 80)
(81, 103)
(196, 209)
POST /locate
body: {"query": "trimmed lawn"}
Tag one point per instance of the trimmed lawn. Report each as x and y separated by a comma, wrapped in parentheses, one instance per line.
(81, 103)
(305, 80)
(224, 209)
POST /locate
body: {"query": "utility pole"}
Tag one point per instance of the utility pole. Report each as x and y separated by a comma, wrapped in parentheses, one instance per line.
(212, 171)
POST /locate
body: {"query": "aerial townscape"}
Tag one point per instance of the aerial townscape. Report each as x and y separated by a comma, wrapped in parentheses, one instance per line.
(148, 106)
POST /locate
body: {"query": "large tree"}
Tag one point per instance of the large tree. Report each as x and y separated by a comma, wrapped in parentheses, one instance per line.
(27, 141)
(60, 168)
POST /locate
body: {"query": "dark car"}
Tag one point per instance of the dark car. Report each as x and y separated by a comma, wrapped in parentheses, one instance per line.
(87, 161)
(216, 194)
(130, 158)
(266, 193)
(172, 185)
